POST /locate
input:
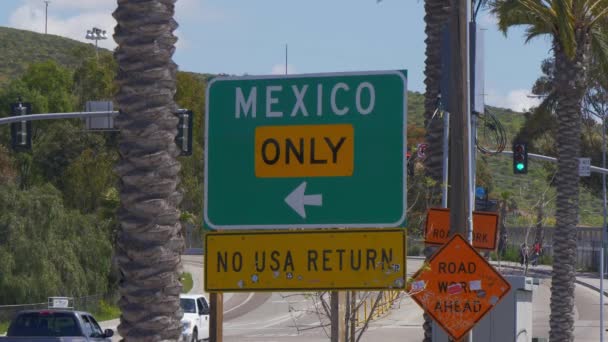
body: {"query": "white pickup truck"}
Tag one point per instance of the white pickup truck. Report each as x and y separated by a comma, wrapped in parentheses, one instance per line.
(195, 323)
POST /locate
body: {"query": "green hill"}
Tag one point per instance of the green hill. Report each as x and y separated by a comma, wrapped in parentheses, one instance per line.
(19, 48)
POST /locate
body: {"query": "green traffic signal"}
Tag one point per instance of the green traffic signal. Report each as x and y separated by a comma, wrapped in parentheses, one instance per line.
(520, 158)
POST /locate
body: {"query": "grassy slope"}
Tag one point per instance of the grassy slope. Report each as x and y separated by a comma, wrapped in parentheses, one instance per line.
(18, 48)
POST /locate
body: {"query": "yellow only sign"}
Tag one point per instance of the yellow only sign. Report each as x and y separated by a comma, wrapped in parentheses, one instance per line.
(304, 151)
(305, 260)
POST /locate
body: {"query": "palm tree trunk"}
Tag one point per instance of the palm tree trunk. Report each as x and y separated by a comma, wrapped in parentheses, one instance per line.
(436, 14)
(569, 87)
(149, 242)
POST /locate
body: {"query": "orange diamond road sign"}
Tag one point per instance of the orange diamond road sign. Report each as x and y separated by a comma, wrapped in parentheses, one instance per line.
(485, 228)
(458, 288)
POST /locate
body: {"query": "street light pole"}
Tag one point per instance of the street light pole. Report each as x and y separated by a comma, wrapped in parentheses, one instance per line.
(96, 34)
(46, 16)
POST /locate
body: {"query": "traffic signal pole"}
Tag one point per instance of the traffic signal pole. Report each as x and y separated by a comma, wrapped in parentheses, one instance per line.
(52, 116)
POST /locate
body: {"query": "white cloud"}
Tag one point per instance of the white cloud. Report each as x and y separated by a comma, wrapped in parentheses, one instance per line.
(71, 4)
(182, 43)
(279, 69)
(72, 18)
(516, 100)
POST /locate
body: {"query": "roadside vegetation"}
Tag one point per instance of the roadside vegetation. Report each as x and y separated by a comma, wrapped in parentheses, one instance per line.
(58, 201)
(187, 282)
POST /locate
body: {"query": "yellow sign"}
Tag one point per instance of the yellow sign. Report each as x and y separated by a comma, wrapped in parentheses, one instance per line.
(305, 260)
(304, 151)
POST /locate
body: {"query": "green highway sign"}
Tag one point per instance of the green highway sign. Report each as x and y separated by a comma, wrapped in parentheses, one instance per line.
(306, 151)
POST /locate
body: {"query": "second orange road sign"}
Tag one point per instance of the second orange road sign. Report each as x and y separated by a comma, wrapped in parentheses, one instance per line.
(485, 228)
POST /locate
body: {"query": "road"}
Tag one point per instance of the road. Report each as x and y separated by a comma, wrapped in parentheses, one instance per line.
(294, 317)
(283, 317)
(268, 317)
(586, 314)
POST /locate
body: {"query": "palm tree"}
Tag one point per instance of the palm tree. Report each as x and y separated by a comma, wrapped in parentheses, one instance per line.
(149, 242)
(505, 205)
(577, 31)
(436, 15)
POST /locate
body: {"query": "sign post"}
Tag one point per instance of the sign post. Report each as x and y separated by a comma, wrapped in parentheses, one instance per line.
(306, 151)
(458, 288)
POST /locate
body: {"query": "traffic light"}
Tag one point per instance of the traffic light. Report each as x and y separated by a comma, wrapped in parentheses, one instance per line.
(520, 158)
(183, 139)
(21, 132)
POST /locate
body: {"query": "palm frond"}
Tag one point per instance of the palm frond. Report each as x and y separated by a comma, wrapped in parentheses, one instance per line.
(599, 46)
(564, 23)
(598, 16)
(540, 29)
(521, 13)
(597, 7)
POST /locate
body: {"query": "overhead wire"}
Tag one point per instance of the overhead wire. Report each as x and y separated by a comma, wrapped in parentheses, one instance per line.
(493, 134)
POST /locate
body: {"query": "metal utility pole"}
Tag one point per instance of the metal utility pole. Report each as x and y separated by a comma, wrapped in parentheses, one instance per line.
(460, 151)
(446, 159)
(461, 218)
(46, 15)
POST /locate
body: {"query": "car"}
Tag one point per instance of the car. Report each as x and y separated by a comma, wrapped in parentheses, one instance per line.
(195, 322)
(51, 325)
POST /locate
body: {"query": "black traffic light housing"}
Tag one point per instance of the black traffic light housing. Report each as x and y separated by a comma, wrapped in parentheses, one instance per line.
(21, 132)
(183, 139)
(520, 158)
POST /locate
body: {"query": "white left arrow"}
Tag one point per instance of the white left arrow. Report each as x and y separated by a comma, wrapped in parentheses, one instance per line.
(297, 200)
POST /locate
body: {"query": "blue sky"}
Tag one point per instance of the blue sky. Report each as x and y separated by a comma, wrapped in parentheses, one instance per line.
(245, 36)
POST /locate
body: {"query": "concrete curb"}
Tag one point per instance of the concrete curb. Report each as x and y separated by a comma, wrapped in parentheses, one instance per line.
(589, 286)
(548, 272)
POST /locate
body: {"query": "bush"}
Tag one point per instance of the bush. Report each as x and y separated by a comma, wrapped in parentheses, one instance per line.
(187, 282)
(106, 311)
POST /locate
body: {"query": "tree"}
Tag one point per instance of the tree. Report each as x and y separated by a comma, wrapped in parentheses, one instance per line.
(54, 82)
(94, 79)
(576, 29)
(436, 15)
(506, 204)
(87, 179)
(8, 174)
(49, 250)
(149, 243)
